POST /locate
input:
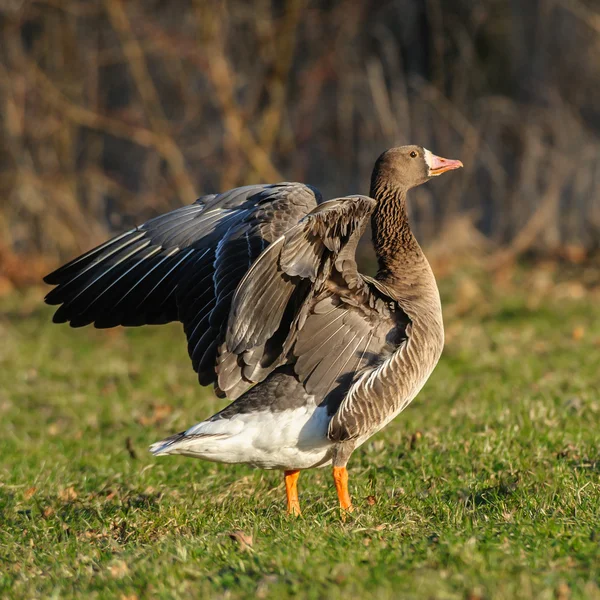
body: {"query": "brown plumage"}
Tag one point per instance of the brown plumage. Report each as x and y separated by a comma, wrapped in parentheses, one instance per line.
(316, 356)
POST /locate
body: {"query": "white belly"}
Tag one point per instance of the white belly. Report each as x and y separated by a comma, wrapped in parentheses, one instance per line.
(289, 439)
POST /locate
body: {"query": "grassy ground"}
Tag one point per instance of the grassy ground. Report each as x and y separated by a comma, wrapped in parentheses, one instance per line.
(487, 486)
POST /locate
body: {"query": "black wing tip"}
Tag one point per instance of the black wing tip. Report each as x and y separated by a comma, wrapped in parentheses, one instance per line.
(62, 316)
(76, 321)
(105, 324)
(50, 301)
(55, 277)
(58, 318)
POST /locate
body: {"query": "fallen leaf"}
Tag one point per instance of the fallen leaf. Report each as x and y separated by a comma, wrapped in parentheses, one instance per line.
(159, 413)
(119, 569)
(371, 500)
(340, 578)
(563, 591)
(243, 539)
(48, 512)
(578, 333)
(67, 495)
(28, 493)
(109, 388)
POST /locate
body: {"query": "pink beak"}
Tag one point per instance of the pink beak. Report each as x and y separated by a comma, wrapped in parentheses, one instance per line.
(439, 165)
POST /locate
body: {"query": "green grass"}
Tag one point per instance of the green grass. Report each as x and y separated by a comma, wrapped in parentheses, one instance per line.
(487, 486)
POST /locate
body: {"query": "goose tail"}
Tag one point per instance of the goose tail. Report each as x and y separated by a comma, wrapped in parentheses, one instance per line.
(203, 440)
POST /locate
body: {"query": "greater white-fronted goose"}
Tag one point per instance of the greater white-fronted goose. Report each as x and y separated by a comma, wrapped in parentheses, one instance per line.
(315, 356)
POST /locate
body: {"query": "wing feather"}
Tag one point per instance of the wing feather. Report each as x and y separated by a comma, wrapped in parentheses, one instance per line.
(288, 306)
(184, 265)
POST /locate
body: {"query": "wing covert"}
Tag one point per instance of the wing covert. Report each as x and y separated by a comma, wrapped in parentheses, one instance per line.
(304, 301)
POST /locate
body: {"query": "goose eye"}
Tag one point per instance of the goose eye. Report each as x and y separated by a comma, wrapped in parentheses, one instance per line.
(413, 154)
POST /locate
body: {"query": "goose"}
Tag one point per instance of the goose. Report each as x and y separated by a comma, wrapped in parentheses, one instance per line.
(314, 356)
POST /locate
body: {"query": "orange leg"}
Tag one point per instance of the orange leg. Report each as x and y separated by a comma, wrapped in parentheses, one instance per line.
(340, 476)
(291, 490)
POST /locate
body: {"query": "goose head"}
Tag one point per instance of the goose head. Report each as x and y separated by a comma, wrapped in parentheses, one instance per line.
(406, 167)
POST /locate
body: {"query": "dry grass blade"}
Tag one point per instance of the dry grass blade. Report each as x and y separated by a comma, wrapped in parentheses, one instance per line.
(244, 540)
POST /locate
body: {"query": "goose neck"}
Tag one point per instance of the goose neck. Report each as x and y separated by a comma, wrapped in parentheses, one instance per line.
(394, 242)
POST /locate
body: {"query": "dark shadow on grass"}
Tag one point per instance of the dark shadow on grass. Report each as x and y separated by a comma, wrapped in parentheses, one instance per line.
(77, 511)
(489, 496)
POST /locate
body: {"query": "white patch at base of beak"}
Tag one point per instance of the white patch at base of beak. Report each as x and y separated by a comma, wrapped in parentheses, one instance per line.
(429, 160)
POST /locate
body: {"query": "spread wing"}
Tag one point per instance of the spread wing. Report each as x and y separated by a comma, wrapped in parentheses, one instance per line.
(304, 303)
(184, 265)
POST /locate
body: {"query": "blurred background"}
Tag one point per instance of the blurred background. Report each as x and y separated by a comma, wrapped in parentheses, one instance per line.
(114, 111)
